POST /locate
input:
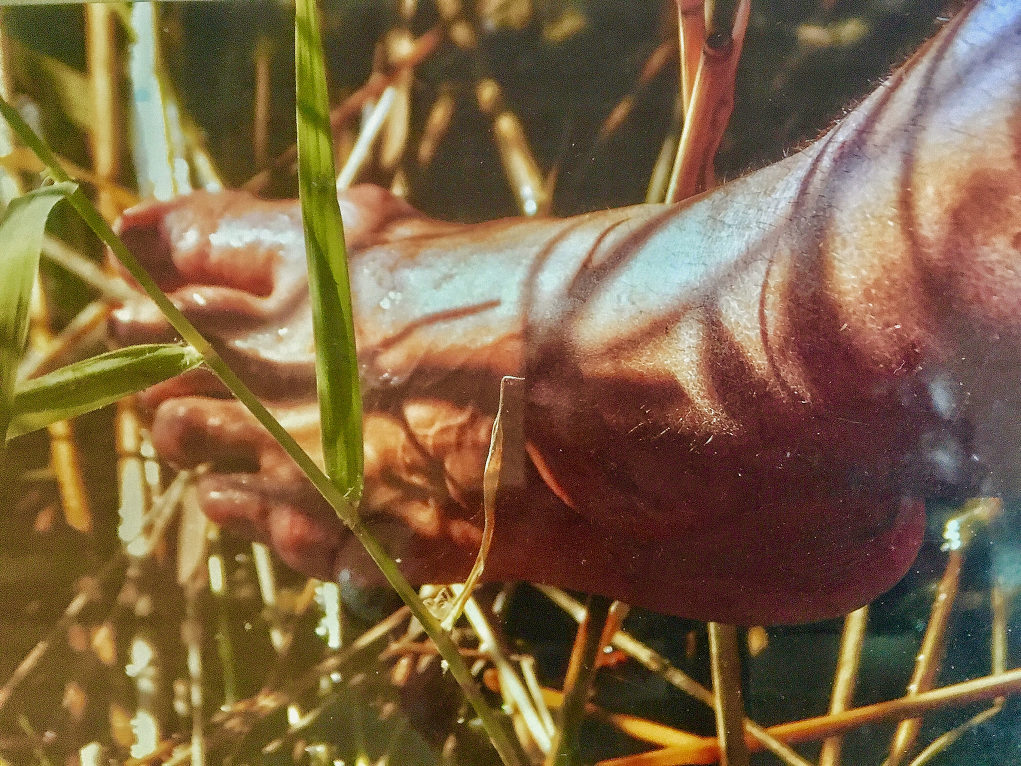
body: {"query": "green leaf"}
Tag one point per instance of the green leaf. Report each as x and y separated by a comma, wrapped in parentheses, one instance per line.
(21, 238)
(340, 401)
(93, 383)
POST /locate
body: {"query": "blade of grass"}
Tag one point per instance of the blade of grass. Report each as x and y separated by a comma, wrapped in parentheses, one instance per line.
(21, 232)
(93, 383)
(500, 737)
(333, 324)
(340, 402)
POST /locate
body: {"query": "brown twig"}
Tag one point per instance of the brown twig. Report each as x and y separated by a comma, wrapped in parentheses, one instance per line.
(581, 671)
(662, 667)
(845, 678)
(810, 729)
(378, 82)
(958, 533)
(691, 31)
(929, 657)
(711, 103)
(727, 700)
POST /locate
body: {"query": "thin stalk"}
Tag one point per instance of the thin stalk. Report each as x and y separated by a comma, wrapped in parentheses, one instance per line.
(810, 729)
(513, 688)
(662, 667)
(352, 105)
(727, 700)
(192, 634)
(581, 672)
(639, 728)
(86, 329)
(64, 453)
(654, 64)
(103, 67)
(930, 655)
(112, 288)
(958, 533)
(260, 118)
(367, 138)
(158, 142)
(691, 31)
(845, 678)
(942, 742)
(999, 606)
(712, 101)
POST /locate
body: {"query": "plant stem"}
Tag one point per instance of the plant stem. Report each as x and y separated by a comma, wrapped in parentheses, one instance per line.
(580, 674)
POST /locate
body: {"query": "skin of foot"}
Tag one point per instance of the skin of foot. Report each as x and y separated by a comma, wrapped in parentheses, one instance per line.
(732, 408)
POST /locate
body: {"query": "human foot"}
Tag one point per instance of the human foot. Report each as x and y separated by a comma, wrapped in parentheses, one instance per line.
(742, 548)
(728, 437)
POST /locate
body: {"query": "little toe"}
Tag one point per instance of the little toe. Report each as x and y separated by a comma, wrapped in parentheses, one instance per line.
(293, 520)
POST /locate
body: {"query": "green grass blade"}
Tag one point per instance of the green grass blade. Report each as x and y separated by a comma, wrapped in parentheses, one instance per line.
(336, 363)
(340, 402)
(93, 383)
(21, 240)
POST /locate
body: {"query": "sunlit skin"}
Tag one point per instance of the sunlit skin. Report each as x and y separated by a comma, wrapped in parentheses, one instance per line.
(732, 407)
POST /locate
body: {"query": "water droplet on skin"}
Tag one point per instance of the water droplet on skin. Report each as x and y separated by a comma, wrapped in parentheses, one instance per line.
(389, 300)
(390, 378)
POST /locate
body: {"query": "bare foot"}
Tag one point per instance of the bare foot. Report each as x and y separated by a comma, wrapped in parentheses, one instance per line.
(743, 436)
(431, 380)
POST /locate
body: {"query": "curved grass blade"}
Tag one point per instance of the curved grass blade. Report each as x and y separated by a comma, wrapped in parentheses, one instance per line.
(21, 240)
(490, 485)
(340, 402)
(93, 383)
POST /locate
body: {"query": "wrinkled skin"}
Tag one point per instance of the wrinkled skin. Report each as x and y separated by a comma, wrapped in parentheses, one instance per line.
(732, 408)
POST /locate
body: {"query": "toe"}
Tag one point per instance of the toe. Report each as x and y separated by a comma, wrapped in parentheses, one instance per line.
(306, 541)
(237, 503)
(190, 431)
(198, 382)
